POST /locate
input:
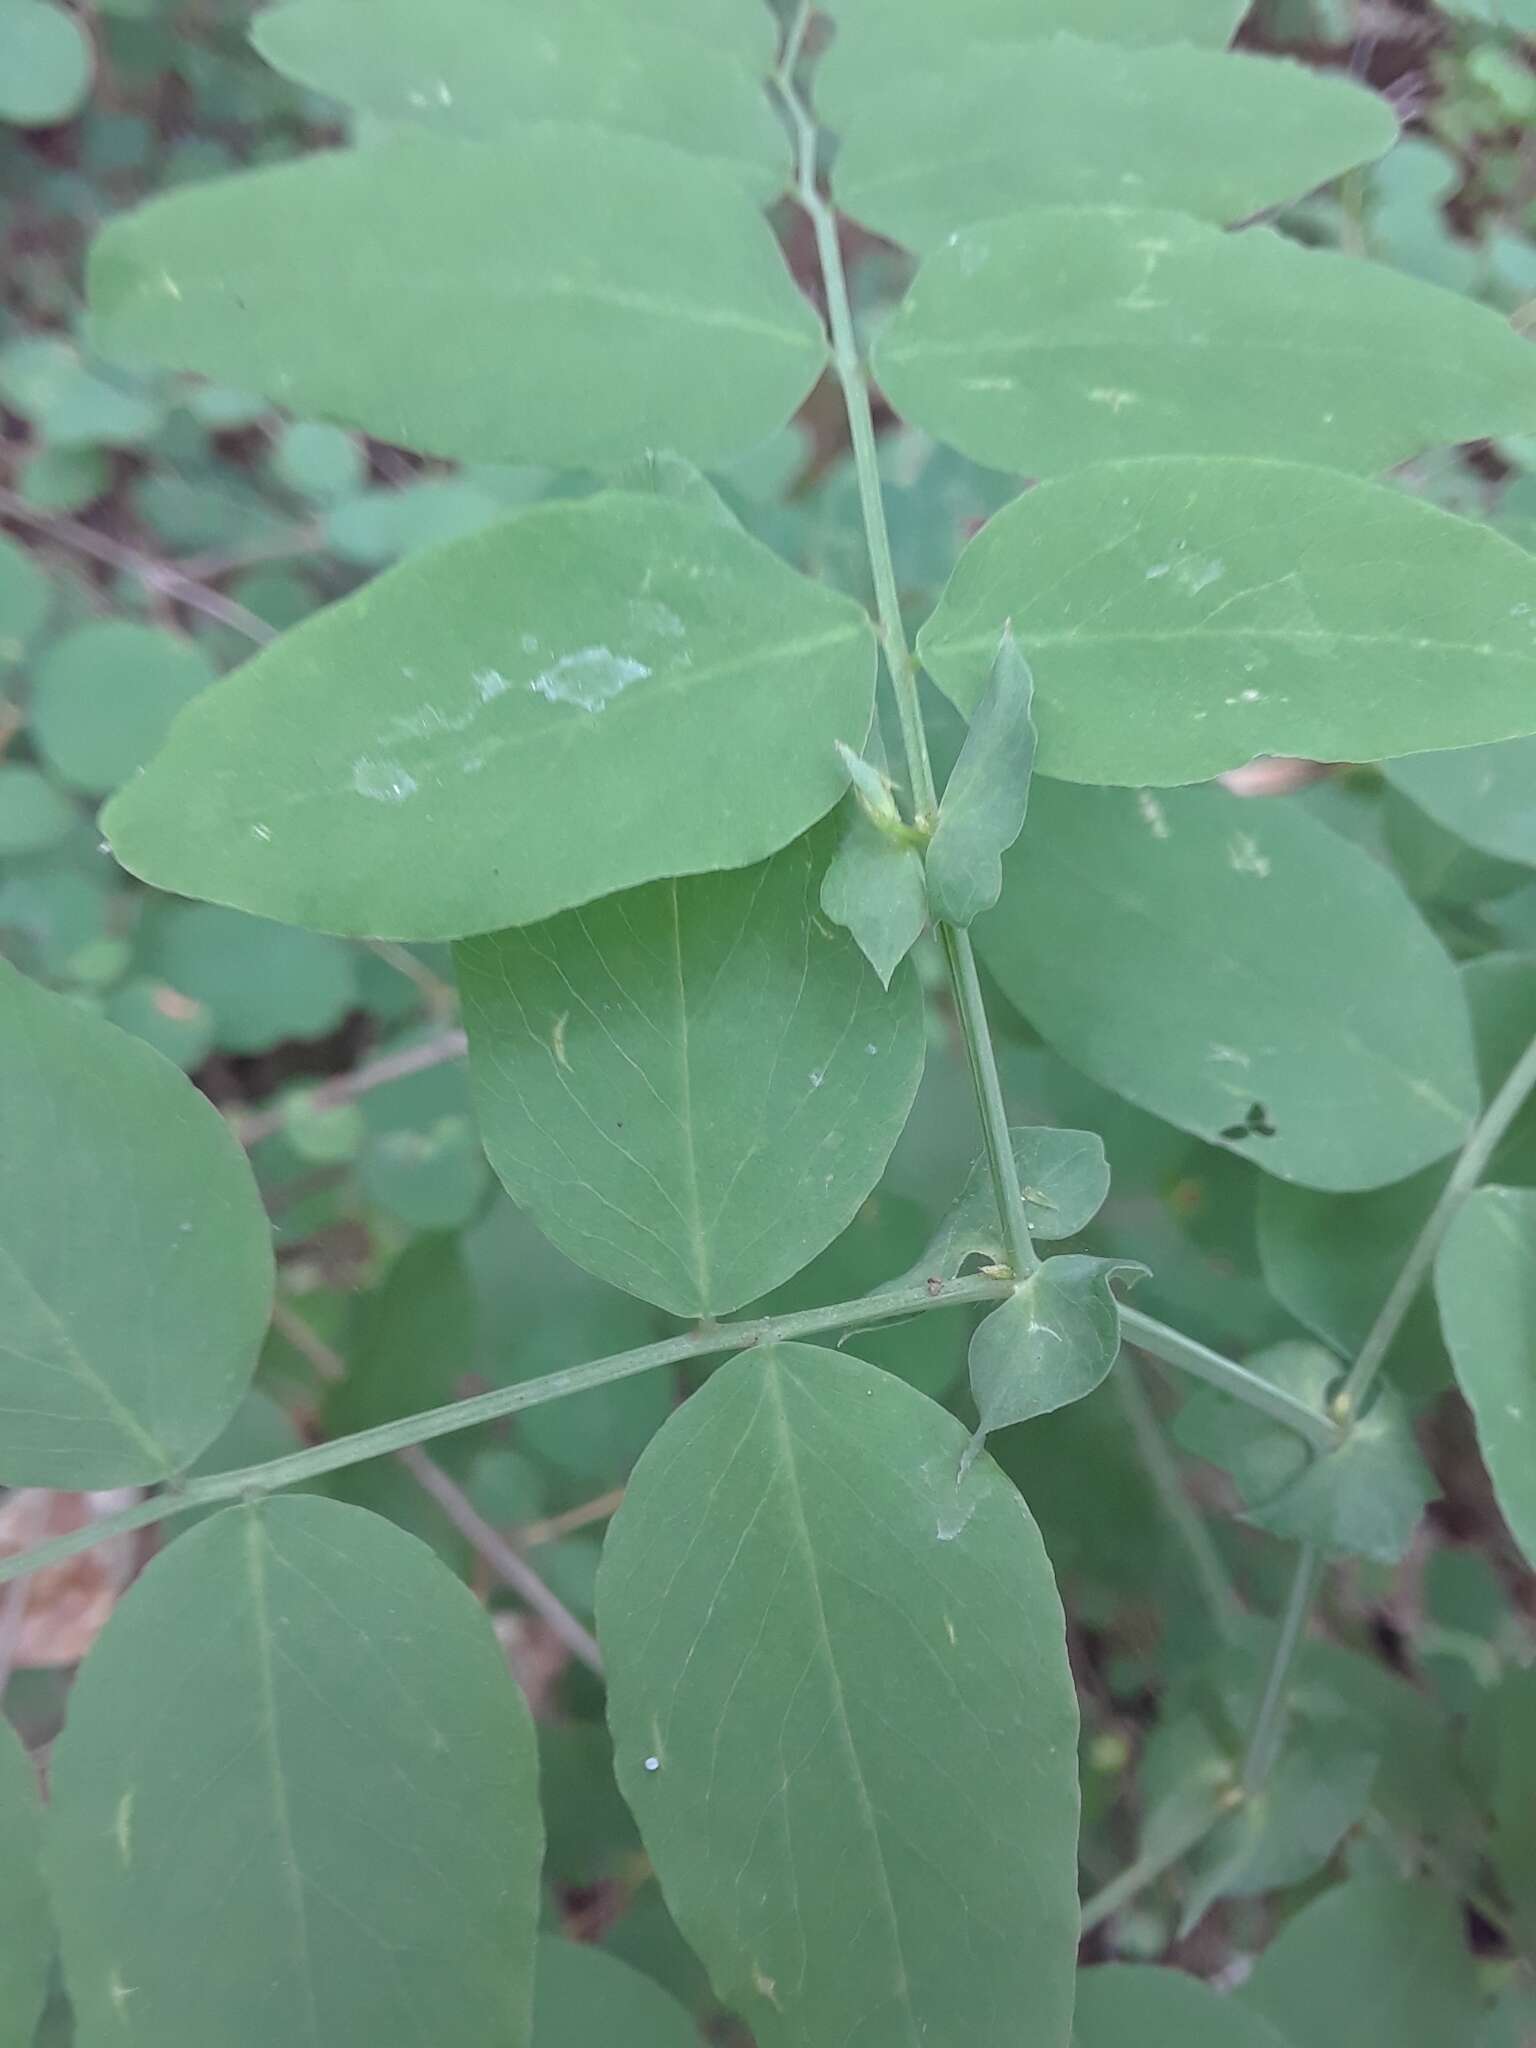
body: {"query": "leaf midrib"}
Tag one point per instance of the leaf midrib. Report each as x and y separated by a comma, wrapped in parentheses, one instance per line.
(802, 1535)
(256, 1565)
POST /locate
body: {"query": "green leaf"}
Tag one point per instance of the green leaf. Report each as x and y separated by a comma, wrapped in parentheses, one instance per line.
(1362, 1499)
(1482, 794)
(880, 39)
(660, 474)
(262, 982)
(1130, 2005)
(1182, 615)
(691, 1086)
(45, 379)
(1485, 1280)
(1287, 1831)
(295, 1799)
(842, 1712)
(1049, 1343)
(26, 1932)
(1370, 1960)
(48, 63)
(135, 1256)
(1072, 335)
(1152, 940)
(34, 816)
(629, 279)
(411, 1340)
(104, 695)
(987, 794)
(1436, 867)
(1064, 1176)
(573, 701)
(26, 597)
(477, 69)
(582, 1996)
(999, 127)
(432, 1179)
(874, 888)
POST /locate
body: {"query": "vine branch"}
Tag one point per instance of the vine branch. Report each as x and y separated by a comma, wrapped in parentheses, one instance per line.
(250, 1482)
(848, 365)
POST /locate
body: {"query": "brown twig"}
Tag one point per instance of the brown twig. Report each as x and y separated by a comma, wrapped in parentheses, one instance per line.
(168, 578)
(488, 1543)
(393, 1066)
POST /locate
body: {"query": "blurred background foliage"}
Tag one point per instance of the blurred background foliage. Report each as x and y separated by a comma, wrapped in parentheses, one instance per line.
(154, 530)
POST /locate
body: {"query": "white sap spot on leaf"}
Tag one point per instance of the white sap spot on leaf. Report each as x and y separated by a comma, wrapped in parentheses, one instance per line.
(122, 1826)
(653, 1763)
(262, 832)
(385, 782)
(956, 1494)
(1196, 576)
(1116, 400)
(990, 383)
(422, 724)
(649, 616)
(590, 678)
(816, 1076)
(1230, 1055)
(1244, 857)
(1153, 815)
(490, 684)
(1158, 569)
(872, 1049)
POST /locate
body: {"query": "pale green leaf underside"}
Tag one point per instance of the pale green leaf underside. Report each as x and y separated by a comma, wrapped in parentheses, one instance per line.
(842, 1712)
(1050, 1343)
(880, 39)
(26, 1935)
(1153, 940)
(1064, 1176)
(874, 888)
(295, 1800)
(1067, 122)
(1065, 336)
(1485, 1281)
(1485, 795)
(1363, 1500)
(1369, 1960)
(691, 1086)
(570, 702)
(586, 1998)
(1126, 2005)
(135, 1256)
(986, 796)
(1184, 614)
(577, 296)
(478, 68)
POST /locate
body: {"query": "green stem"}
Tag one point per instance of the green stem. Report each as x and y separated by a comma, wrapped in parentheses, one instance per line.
(1496, 1119)
(1465, 1175)
(1221, 1595)
(1150, 1866)
(1004, 1168)
(252, 1480)
(1175, 1349)
(1267, 1727)
(849, 368)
